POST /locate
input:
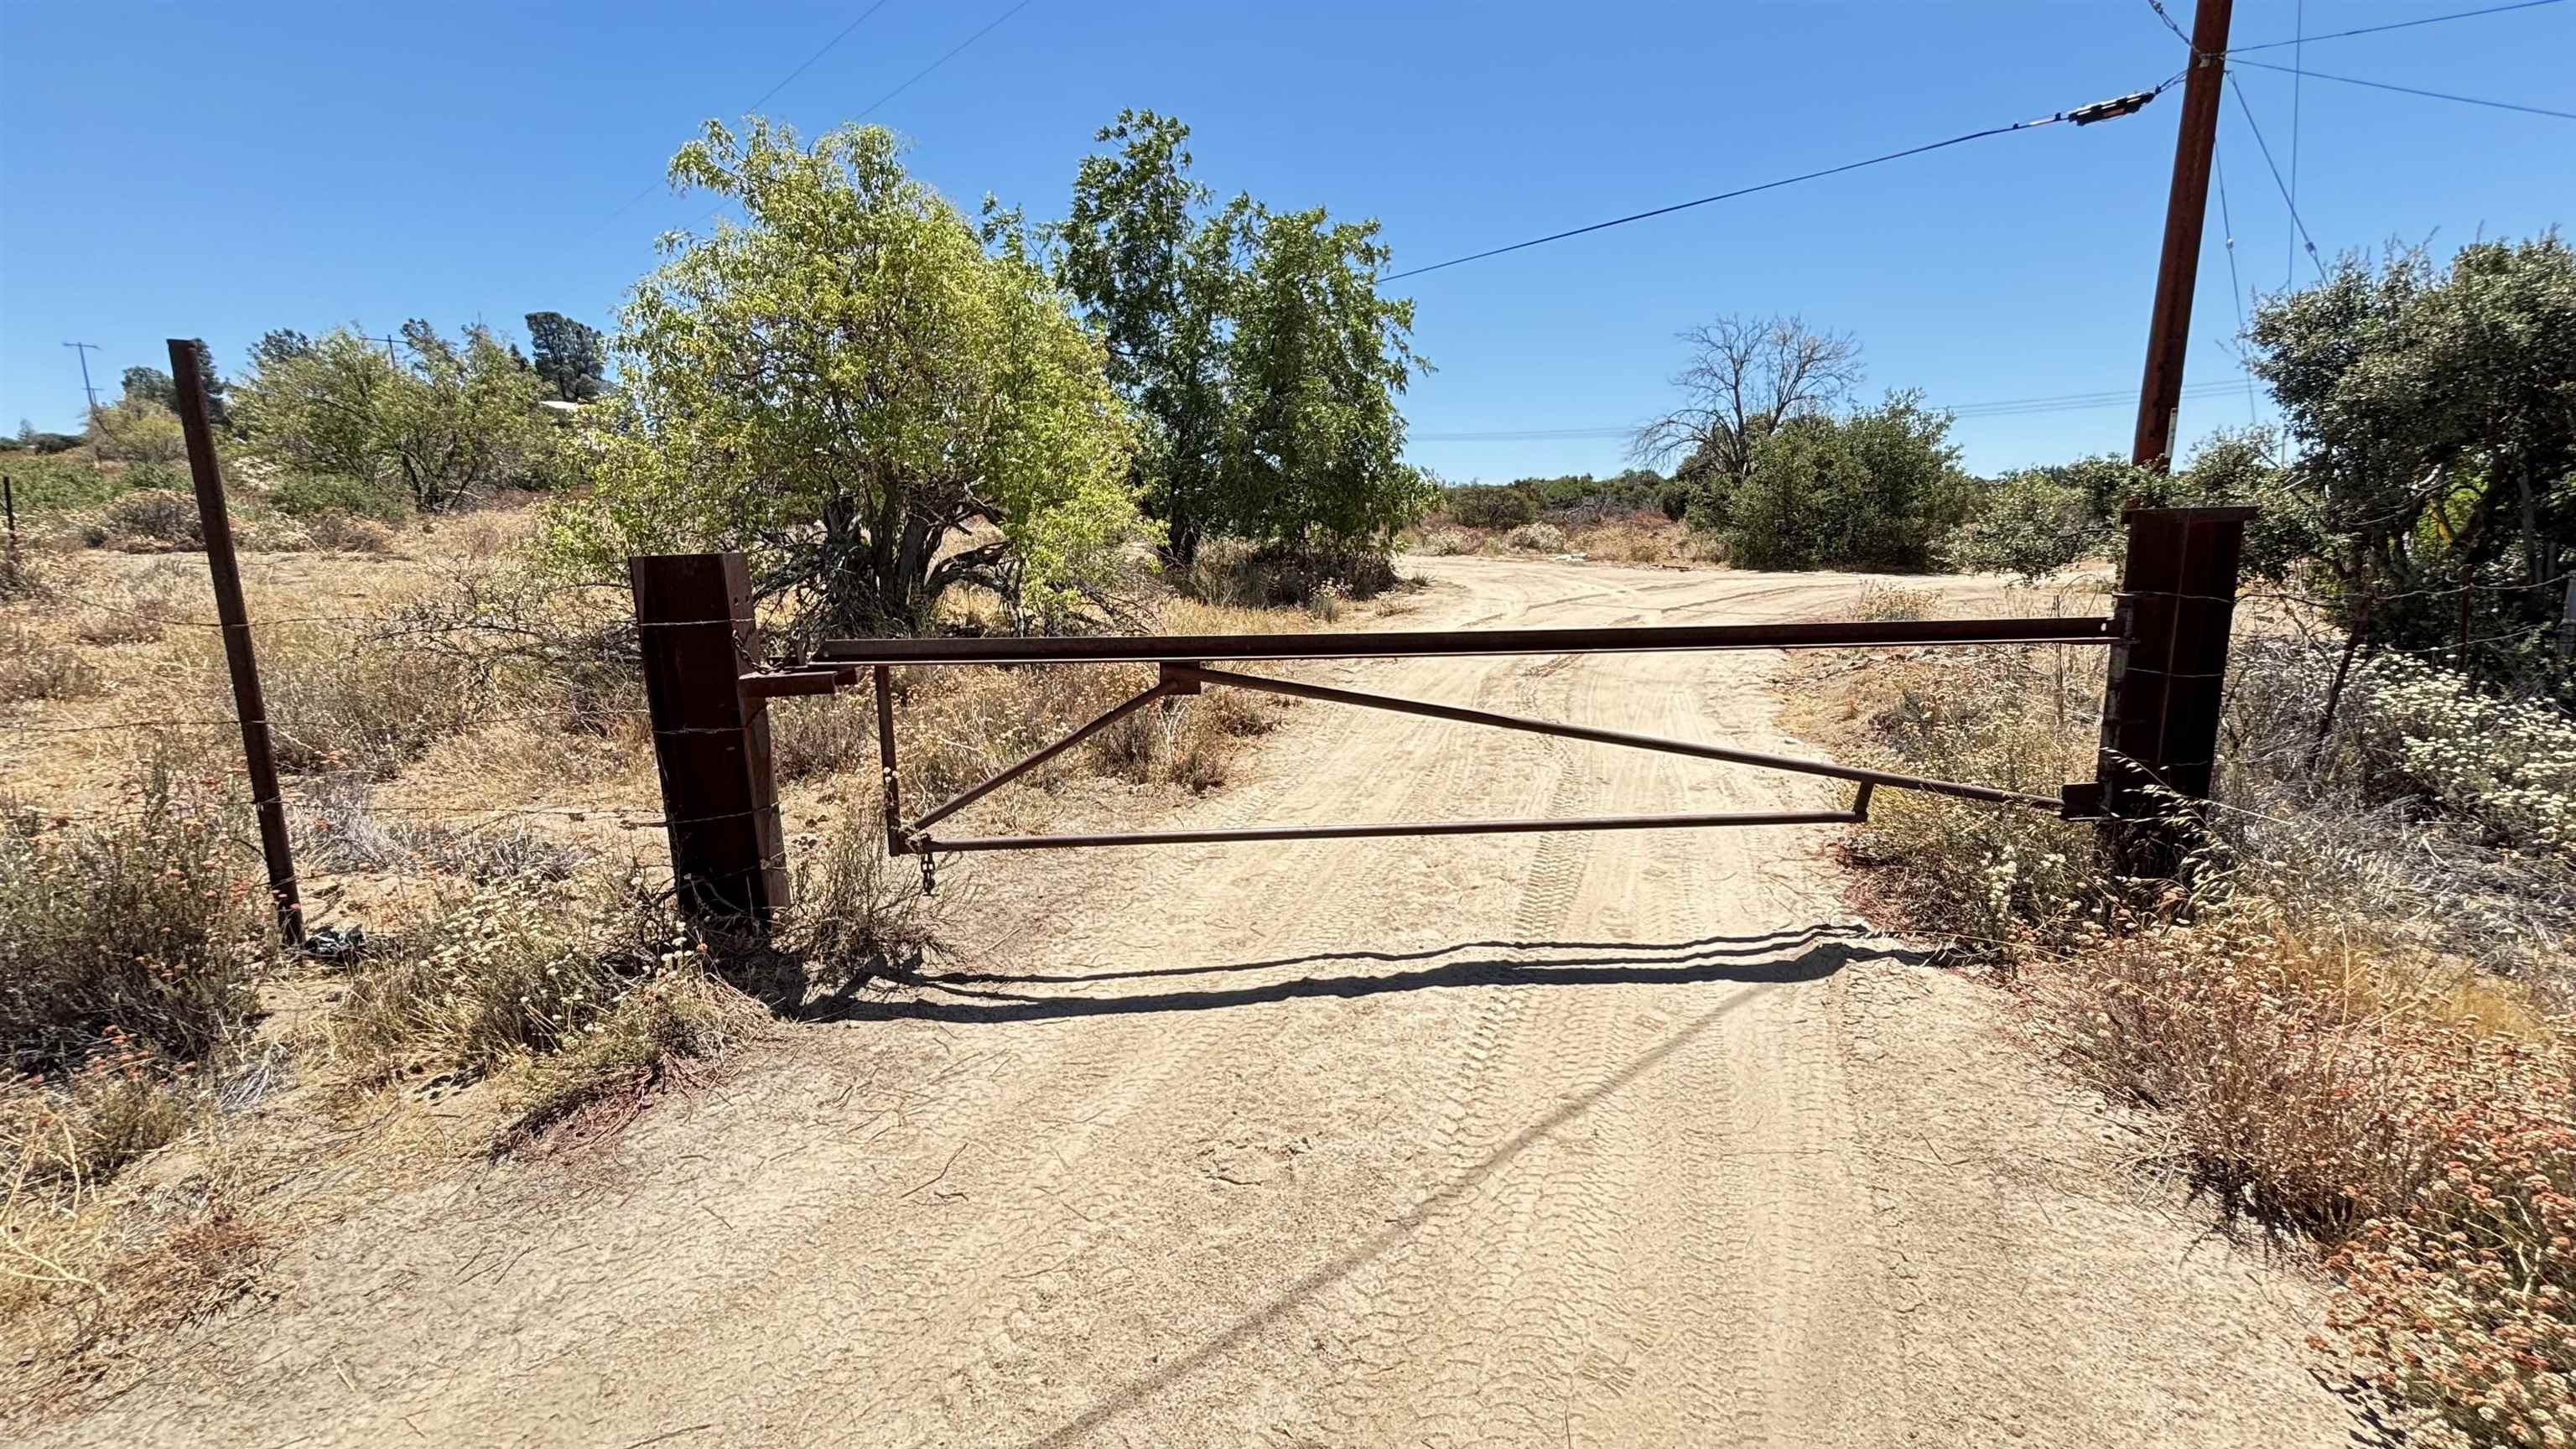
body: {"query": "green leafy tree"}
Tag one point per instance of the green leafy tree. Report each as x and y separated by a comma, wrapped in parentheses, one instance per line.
(455, 419)
(136, 429)
(1157, 280)
(1253, 346)
(2032, 522)
(1879, 489)
(2433, 413)
(856, 388)
(571, 356)
(1315, 454)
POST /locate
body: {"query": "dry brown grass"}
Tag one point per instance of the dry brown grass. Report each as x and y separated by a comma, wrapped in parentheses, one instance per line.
(34, 666)
(2327, 1040)
(1645, 537)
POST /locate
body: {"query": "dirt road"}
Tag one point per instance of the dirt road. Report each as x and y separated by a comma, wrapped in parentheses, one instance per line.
(1620, 1139)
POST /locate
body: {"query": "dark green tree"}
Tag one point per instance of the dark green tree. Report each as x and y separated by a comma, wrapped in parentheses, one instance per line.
(1879, 489)
(1315, 455)
(152, 385)
(2432, 410)
(1253, 345)
(571, 356)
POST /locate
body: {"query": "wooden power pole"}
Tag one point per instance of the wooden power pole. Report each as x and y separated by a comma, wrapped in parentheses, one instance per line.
(2186, 211)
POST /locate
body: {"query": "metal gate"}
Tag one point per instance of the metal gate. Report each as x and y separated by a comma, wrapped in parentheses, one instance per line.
(2167, 633)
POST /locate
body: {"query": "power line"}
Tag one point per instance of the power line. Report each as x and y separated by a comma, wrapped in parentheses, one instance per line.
(2295, 220)
(844, 34)
(2298, 98)
(989, 27)
(631, 202)
(2004, 407)
(2236, 50)
(2081, 115)
(2235, 284)
(2411, 90)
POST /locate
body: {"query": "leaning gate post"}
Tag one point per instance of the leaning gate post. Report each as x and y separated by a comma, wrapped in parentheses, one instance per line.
(2168, 671)
(694, 618)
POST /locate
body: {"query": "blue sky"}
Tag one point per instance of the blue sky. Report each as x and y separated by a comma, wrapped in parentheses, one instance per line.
(192, 169)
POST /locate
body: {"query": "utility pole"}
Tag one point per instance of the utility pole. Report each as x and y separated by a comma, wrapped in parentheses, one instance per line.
(2186, 211)
(82, 350)
(387, 341)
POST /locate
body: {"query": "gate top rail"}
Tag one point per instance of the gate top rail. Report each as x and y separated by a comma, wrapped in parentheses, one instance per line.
(1446, 643)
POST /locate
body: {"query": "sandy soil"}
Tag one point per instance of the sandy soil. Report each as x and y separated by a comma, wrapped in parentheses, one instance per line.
(1611, 1139)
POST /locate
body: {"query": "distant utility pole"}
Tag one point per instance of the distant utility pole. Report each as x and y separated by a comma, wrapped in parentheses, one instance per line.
(82, 350)
(2186, 210)
(387, 341)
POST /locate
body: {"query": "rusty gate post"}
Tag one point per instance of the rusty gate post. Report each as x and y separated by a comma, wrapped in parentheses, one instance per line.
(693, 613)
(2169, 623)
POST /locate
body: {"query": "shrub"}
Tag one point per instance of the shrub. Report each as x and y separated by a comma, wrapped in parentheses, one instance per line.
(2030, 523)
(137, 430)
(20, 578)
(343, 533)
(2462, 1306)
(858, 913)
(318, 495)
(809, 737)
(54, 485)
(2508, 764)
(342, 703)
(1882, 604)
(1237, 575)
(679, 1014)
(337, 828)
(1444, 542)
(505, 971)
(1874, 490)
(1536, 538)
(2280, 1100)
(145, 930)
(54, 442)
(1488, 506)
(33, 667)
(1644, 537)
(147, 519)
(83, 1125)
(1986, 878)
(1179, 742)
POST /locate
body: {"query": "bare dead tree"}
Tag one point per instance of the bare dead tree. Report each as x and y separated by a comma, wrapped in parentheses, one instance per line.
(1746, 377)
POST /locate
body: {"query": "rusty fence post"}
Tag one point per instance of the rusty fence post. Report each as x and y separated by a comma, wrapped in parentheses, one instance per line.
(215, 521)
(2168, 674)
(693, 615)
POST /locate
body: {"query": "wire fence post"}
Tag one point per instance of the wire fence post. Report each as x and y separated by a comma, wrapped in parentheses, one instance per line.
(693, 615)
(2168, 675)
(216, 523)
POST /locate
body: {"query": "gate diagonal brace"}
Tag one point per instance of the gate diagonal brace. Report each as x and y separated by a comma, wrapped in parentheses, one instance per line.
(1178, 679)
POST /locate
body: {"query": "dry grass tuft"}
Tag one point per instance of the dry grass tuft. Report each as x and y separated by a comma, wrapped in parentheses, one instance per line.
(35, 667)
(143, 928)
(1644, 537)
(1887, 603)
(2352, 1025)
(858, 913)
